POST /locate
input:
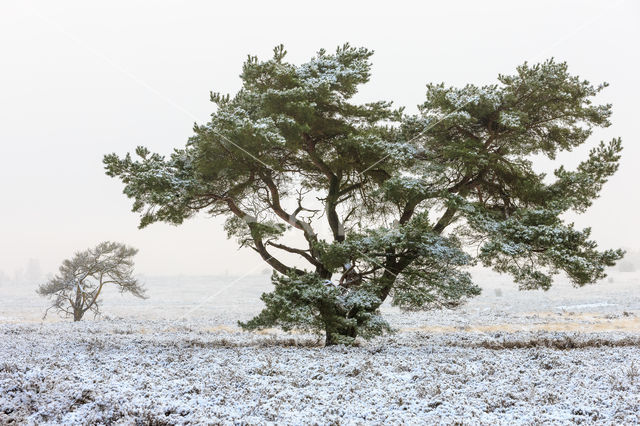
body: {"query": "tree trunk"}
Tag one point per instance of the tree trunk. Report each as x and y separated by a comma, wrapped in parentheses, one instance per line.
(77, 314)
(337, 327)
(77, 307)
(335, 334)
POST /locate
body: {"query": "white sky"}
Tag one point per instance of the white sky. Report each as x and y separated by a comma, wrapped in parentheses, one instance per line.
(79, 80)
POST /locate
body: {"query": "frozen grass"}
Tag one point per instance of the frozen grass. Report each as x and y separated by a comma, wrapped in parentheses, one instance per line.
(563, 356)
(161, 372)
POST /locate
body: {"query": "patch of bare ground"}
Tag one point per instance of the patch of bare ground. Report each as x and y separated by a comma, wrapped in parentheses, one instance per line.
(548, 321)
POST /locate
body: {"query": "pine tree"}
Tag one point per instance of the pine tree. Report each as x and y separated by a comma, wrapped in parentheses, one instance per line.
(385, 203)
(76, 289)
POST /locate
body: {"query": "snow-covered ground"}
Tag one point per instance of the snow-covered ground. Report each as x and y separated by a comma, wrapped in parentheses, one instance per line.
(564, 356)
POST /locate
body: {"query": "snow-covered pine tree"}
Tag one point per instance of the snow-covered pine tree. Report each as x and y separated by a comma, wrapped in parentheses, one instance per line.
(76, 289)
(385, 202)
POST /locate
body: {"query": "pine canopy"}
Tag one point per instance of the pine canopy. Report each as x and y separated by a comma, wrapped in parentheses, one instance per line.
(386, 204)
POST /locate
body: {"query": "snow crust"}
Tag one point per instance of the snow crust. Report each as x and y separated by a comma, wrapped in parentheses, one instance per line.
(564, 356)
(125, 371)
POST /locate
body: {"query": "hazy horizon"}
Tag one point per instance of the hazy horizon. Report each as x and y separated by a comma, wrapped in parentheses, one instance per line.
(82, 80)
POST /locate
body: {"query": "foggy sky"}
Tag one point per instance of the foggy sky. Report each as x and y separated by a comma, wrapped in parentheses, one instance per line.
(79, 80)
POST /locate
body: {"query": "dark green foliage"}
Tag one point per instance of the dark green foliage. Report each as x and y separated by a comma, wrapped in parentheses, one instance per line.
(290, 152)
(306, 302)
(533, 245)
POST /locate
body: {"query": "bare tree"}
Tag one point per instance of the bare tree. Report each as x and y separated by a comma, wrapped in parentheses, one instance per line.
(76, 288)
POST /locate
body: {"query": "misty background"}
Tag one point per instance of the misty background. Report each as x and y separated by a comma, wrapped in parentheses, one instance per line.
(79, 80)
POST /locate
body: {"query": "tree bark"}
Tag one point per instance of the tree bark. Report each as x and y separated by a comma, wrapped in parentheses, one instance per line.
(77, 307)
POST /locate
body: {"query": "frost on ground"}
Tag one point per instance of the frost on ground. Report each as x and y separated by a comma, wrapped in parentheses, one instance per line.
(563, 356)
(164, 372)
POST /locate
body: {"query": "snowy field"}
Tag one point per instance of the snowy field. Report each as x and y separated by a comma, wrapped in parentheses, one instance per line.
(564, 356)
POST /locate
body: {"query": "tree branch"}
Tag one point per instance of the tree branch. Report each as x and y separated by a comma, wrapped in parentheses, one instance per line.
(259, 244)
(334, 189)
(300, 252)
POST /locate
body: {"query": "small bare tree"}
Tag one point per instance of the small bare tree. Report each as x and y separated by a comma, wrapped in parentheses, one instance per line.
(76, 288)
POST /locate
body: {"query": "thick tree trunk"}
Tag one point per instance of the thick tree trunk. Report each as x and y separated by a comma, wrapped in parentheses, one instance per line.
(336, 333)
(337, 327)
